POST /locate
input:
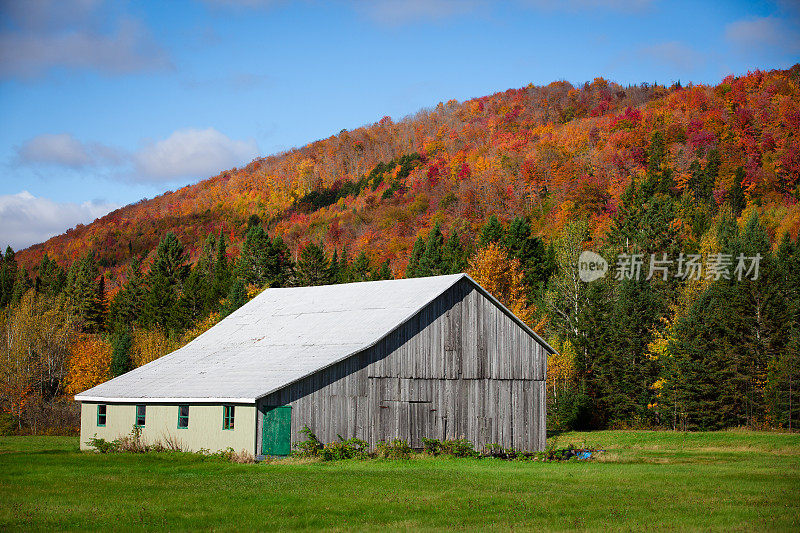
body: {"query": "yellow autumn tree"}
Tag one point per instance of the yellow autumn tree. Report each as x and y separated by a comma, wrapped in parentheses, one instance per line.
(35, 337)
(89, 364)
(502, 277)
(562, 371)
(148, 345)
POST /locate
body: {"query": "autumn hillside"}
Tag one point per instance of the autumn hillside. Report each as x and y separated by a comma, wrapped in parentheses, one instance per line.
(690, 193)
(553, 153)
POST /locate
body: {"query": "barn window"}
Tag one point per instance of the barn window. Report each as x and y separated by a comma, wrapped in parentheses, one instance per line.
(227, 416)
(101, 415)
(183, 416)
(140, 412)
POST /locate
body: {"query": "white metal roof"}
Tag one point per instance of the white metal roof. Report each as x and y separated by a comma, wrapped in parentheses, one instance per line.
(279, 337)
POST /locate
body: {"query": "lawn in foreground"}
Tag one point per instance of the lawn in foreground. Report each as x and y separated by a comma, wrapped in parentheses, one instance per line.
(664, 480)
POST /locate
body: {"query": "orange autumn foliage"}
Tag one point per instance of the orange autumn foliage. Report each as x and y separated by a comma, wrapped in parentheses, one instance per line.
(89, 364)
(502, 277)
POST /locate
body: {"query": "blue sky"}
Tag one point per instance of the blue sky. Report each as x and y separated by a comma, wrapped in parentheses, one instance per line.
(105, 103)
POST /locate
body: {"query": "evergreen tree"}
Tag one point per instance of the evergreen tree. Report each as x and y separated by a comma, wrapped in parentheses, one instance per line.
(454, 258)
(431, 263)
(8, 275)
(359, 271)
(165, 280)
(253, 221)
(625, 371)
(160, 301)
(279, 265)
(784, 378)
(706, 189)
(625, 223)
(51, 277)
(252, 265)
(333, 269)
(344, 266)
(237, 297)
(736, 194)
(530, 250)
(384, 272)
(171, 261)
(127, 305)
(659, 175)
(731, 332)
(121, 342)
(312, 267)
(222, 273)
(21, 286)
(84, 292)
(197, 299)
(491, 232)
(412, 269)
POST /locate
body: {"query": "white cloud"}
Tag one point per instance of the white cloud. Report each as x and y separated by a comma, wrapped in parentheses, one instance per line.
(191, 153)
(760, 32)
(63, 149)
(54, 149)
(187, 153)
(26, 219)
(78, 34)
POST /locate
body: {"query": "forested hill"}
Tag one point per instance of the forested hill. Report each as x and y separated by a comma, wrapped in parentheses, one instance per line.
(553, 153)
(689, 193)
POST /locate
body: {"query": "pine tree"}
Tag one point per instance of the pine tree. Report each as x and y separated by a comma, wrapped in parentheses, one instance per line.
(280, 268)
(710, 175)
(84, 292)
(197, 299)
(454, 258)
(659, 175)
(127, 305)
(159, 302)
(21, 286)
(222, 273)
(384, 272)
(625, 223)
(121, 343)
(253, 221)
(252, 264)
(8, 275)
(165, 281)
(344, 267)
(784, 382)
(359, 271)
(237, 297)
(530, 250)
(625, 371)
(736, 194)
(51, 277)
(333, 269)
(491, 232)
(312, 267)
(412, 269)
(431, 263)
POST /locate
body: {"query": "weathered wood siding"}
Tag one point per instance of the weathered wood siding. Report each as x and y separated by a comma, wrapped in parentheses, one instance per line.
(460, 368)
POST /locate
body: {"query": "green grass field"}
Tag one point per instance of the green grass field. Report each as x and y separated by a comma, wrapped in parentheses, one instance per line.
(645, 480)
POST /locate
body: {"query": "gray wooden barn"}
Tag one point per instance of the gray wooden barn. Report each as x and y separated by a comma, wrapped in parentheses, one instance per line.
(435, 357)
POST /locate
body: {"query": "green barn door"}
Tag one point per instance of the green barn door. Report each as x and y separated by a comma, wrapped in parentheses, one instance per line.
(276, 431)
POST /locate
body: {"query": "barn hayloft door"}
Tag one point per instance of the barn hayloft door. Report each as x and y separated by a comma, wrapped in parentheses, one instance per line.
(276, 433)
